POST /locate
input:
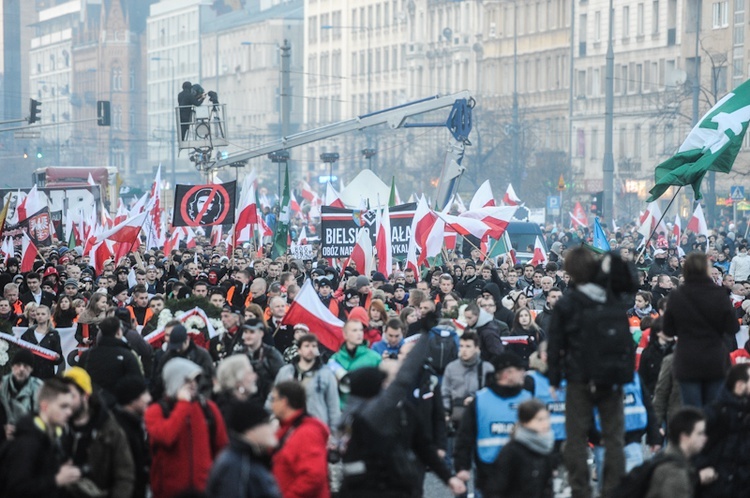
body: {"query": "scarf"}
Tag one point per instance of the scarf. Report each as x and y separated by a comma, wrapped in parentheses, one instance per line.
(471, 363)
(641, 313)
(536, 442)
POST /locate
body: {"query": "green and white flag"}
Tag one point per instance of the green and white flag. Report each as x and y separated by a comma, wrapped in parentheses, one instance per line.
(281, 235)
(712, 144)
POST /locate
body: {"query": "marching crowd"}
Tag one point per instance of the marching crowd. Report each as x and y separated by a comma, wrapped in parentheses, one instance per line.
(481, 371)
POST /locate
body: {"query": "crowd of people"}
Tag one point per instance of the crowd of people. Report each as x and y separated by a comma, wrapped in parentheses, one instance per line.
(478, 370)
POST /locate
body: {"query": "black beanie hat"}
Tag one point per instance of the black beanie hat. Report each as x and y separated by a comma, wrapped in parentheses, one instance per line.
(129, 388)
(23, 356)
(366, 382)
(244, 415)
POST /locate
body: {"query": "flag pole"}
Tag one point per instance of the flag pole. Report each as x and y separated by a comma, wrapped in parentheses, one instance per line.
(656, 227)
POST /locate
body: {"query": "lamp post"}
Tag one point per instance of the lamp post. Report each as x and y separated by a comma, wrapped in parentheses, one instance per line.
(171, 65)
(330, 158)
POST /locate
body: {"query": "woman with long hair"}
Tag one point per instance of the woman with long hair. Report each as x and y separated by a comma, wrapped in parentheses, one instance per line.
(408, 316)
(701, 315)
(641, 310)
(65, 314)
(89, 320)
(378, 316)
(528, 333)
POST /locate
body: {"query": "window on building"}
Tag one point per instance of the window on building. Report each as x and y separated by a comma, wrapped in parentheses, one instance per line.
(580, 142)
(637, 142)
(312, 29)
(720, 12)
(652, 141)
(640, 22)
(626, 22)
(594, 143)
(655, 17)
(668, 139)
(597, 26)
(581, 83)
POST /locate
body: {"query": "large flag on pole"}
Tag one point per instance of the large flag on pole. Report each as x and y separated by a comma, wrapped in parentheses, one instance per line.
(697, 223)
(712, 145)
(280, 236)
(482, 197)
(28, 253)
(332, 197)
(510, 198)
(362, 253)
(307, 308)
(247, 213)
(383, 242)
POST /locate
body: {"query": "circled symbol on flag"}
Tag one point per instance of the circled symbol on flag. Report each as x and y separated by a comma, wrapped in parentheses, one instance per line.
(205, 205)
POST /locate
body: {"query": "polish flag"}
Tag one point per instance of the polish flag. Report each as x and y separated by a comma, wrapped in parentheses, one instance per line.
(189, 238)
(265, 230)
(247, 215)
(383, 242)
(121, 214)
(100, 253)
(497, 217)
(106, 218)
(427, 231)
(650, 218)
(125, 234)
(483, 197)
(293, 204)
(173, 241)
(31, 204)
(540, 255)
(7, 249)
(154, 229)
(140, 205)
(465, 225)
(302, 239)
(28, 254)
(677, 229)
(579, 217)
(217, 232)
(450, 238)
(333, 198)
(510, 198)
(307, 308)
(362, 253)
(308, 193)
(697, 223)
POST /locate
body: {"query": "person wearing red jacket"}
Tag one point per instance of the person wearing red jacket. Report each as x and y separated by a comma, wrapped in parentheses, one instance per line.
(186, 432)
(300, 464)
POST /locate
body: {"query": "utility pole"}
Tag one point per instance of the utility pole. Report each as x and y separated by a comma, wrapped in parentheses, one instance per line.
(286, 90)
(609, 105)
(515, 126)
(711, 194)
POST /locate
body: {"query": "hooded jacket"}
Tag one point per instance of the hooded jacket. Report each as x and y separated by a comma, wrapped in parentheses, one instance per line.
(242, 471)
(490, 332)
(462, 379)
(321, 388)
(19, 402)
(182, 446)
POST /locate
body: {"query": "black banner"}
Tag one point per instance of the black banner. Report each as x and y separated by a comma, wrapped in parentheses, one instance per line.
(38, 226)
(339, 229)
(205, 205)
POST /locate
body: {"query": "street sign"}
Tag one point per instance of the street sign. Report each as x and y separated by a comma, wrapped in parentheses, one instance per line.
(553, 202)
(561, 183)
(27, 135)
(737, 192)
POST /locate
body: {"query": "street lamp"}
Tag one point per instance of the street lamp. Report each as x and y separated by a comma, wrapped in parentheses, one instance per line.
(171, 65)
(330, 158)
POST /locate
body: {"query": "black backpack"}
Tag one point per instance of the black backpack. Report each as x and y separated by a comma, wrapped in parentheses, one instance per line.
(441, 348)
(609, 355)
(635, 483)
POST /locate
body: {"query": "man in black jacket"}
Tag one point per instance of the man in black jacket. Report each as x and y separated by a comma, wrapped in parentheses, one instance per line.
(488, 329)
(471, 286)
(185, 99)
(180, 345)
(47, 337)
(32, 463)
(110, 360)
(132, 400)
(35, 293)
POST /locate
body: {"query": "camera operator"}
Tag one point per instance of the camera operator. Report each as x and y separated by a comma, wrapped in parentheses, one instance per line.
(186, 99)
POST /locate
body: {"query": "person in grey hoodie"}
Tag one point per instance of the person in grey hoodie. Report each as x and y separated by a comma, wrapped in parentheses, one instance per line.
(488, 329)
(319, 382)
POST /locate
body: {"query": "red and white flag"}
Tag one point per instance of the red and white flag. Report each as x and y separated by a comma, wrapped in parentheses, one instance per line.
(465, 225)
(383, 243)
(427, 231)
(650, 218)
(362, 253)
(697, 223)
(173, 241)
(333, 198)
(510, 198)
(578, 217)
(125, 235)
(302, 239)
(189, 238)
(154, 228)
(28, 254)
(307, 308)
(677, 229)
(106, 219)
(100, 253)
(308, 193)
(497, 217)
(217, 233)
(30, 204)
(482, 197)
(8, 249)
(121, 214)
(293, 204)
(247, 214)
(540, 255)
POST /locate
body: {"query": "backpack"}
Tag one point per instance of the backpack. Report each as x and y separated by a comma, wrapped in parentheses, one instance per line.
(635, 483)
(442, 348)
(609, 350)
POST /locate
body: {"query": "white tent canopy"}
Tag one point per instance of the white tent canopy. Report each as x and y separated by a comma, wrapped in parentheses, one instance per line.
(366, 185)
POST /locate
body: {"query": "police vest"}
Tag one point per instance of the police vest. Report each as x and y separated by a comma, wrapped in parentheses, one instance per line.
(636, 417)
(496, 418)
(555, 407)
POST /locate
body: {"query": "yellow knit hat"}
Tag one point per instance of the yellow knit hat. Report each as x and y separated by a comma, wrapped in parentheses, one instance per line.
(81, 378)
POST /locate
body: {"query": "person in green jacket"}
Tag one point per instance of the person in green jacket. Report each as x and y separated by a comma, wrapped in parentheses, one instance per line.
(353, 354)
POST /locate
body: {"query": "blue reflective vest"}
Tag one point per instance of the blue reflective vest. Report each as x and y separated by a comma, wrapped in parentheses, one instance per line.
(555, 407)
(496, 418)
(636, 417)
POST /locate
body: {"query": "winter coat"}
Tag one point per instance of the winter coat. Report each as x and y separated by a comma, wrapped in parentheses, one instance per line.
(462, 379)
(544, 318)
(107, 362)
(300, 464)
(667, 398)
(197, 355)
(650, 364)
(728, 447)
(490, 332)
(47, 299)
(470, 287)
(182, 449)
(673, 478)
(19, 402)
(739, 268)
(43, 368)
(241, 471)
(135, 434)
(321, 388)
(30, 462)
(702, 316)
(266, 362)
(107, 456)
(362, 357)
(520, 472)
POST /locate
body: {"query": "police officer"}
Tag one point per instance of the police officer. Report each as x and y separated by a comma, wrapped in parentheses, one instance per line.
(489, 419)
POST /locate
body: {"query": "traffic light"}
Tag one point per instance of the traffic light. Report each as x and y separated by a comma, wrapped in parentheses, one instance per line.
(597, 203)
(35, 111)
(25, 154)
(103, 113)
(39, 153)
